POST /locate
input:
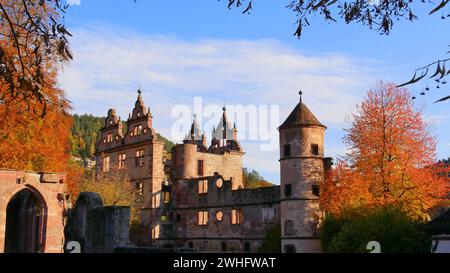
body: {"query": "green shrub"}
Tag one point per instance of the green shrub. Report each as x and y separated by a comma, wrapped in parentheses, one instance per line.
(272, 240)
(395, 232)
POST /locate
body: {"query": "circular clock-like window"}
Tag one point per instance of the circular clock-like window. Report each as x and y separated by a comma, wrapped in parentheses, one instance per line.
(219, 183)
(219, 216)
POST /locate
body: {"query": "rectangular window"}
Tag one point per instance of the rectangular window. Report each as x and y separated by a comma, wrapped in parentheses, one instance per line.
(155, 232)
(109, 137)
(164, 218)
(202, 218)
(203, 186)
(121, 159)
(166, 197)
(200, 167)
(137, 130)
(247, 247)
(140, 187)
(140, 158)
(224, 247)
(156, 200)
(268, 214)
(178, 218)
(237, 217)
(289, 249)
(316, 190)
(287, 150)
(287, 190)
(315, 149)
(106, 164)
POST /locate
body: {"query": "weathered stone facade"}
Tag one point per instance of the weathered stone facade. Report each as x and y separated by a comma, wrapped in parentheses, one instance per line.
(197, 198)
(140, 153)
(233, 220)
(32, 207)
(302, 169)
(98, 229)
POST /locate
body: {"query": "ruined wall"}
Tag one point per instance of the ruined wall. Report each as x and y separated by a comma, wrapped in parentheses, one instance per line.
(98, 229)
(260, 211)
(228, 164)
(48, 187)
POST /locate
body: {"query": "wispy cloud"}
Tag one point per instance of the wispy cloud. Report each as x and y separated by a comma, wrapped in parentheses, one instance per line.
(109, 65)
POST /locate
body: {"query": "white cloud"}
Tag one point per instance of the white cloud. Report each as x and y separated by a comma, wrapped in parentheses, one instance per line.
(109, 65)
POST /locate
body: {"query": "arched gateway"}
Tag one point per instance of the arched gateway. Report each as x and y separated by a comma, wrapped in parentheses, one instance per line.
(32, 209)
(26, 222)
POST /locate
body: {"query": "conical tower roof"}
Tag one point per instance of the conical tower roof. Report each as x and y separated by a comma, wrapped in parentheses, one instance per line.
(301, 116)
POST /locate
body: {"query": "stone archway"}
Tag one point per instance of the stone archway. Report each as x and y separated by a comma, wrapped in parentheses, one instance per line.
(26, 223)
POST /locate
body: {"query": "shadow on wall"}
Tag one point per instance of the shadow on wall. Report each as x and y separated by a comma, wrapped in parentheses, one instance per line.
(99, 229)
(96, 228)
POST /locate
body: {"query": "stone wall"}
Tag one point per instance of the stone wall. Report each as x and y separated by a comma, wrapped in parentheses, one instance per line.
(49, 190)
(302, 170)
(260, 211)
(185, 158)
(98, 229)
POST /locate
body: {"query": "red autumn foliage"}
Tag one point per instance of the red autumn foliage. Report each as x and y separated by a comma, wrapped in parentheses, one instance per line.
(391, 159)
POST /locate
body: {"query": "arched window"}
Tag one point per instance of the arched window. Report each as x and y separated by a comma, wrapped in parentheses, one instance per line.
(289, 229)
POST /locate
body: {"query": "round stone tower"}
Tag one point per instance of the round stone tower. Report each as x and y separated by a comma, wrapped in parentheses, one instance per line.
(302, 170)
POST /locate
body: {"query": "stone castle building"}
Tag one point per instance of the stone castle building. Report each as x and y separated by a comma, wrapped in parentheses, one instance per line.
(196, 197)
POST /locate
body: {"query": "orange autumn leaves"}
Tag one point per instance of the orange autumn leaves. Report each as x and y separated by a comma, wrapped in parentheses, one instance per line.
(391, 160)
(29, 141)
(34, 124)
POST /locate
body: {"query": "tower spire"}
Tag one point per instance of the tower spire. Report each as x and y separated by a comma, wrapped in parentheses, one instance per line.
(300, 93)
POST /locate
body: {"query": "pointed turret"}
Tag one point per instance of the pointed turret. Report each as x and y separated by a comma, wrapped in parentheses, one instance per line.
(195, 133)
(301, 116)
(224, 136)
(140, 121)
(195, 136)
(302, 171)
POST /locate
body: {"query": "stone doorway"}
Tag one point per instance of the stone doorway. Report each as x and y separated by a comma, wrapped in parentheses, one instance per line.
(26, 220)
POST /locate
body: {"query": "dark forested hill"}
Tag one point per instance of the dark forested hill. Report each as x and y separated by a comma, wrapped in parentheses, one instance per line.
(85, 134)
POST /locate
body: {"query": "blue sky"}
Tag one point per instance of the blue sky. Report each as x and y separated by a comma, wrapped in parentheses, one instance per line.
(179, 50)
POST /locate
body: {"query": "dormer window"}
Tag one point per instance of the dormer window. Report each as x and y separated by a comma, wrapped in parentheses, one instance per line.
(137, 130)
(109, 137)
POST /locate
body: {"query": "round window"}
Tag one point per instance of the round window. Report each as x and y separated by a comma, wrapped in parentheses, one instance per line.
(219, 183)
(219, 216)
